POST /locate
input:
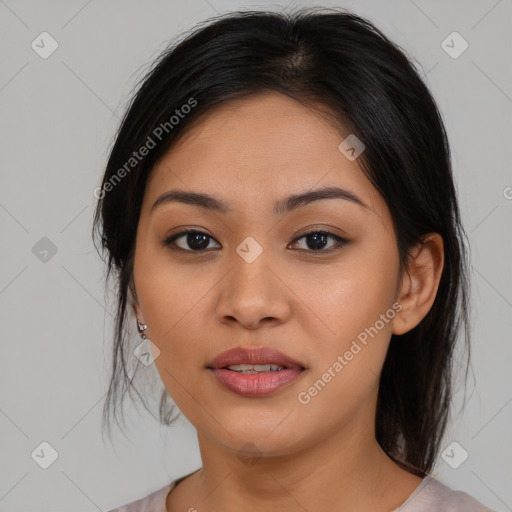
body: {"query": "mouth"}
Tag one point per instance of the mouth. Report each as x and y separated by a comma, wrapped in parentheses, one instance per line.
(254, 360)
(248, 369)
(255, 372)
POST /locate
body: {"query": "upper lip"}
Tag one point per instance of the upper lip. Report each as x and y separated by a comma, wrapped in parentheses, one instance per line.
(253, 355)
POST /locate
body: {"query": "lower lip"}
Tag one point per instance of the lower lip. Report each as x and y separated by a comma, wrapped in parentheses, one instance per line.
(256, 384)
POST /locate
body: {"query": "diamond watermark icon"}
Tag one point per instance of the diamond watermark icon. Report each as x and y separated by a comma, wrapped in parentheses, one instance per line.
(249, 454)
(147, 352)
(351, 147)
(454, 455)
(249, 249)
(44, 455)
(454, 45)
(44, 45)
(44, 250)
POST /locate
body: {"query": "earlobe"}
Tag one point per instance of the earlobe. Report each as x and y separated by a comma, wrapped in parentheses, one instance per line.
(138, 313)
(420, 283)
(133, 300)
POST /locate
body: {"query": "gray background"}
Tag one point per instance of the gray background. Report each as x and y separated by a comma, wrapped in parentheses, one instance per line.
(59, 116)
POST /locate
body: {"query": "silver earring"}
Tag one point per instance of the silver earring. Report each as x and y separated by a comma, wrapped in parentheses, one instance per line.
(142, 327)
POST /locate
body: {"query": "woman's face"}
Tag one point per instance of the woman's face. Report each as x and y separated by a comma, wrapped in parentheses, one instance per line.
(256, 280)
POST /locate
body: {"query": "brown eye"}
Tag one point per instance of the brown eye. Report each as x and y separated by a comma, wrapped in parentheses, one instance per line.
(316, 241)
(196, 241)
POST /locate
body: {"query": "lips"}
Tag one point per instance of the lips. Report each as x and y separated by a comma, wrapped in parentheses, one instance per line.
(253, 356)
(258, 379)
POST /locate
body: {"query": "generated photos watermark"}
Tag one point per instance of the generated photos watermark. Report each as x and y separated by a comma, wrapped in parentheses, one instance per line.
(144, 150)
(304, 397)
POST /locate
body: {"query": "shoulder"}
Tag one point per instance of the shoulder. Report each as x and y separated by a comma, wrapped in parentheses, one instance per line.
(154, 502)
(434, 496)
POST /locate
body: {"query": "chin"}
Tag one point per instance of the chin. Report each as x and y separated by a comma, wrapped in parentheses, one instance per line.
(261, 440)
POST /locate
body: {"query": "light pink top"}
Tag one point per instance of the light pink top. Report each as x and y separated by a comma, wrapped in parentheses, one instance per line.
(430, 496)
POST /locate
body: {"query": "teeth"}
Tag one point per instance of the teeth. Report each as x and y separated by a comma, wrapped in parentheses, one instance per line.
(255, 368)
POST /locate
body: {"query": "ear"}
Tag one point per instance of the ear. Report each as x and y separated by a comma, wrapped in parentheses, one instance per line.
(419, 283)
(133, 299)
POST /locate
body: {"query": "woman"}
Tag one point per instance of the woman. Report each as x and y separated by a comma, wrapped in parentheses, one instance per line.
(280, 214)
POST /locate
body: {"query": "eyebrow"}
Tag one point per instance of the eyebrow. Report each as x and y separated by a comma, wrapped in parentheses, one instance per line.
(282, 207)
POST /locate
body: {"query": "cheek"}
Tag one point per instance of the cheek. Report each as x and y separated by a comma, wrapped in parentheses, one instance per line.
(350, 296)
(174, 309)
(175, 316)
(165, 295)
(357, 307)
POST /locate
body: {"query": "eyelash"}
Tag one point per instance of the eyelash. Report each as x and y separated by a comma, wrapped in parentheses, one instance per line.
(341, 242)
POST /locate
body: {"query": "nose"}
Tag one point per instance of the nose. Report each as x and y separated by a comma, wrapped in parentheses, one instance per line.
(253, 294)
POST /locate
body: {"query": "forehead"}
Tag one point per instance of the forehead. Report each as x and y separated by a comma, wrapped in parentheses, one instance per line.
(263, 146)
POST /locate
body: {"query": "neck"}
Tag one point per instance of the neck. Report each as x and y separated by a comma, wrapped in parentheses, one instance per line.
(348, 471)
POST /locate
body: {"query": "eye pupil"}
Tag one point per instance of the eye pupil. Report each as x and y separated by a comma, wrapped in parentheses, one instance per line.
(197, 241)
(316, 240)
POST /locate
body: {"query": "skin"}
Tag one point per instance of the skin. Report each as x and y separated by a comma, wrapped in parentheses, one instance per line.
(305, 303)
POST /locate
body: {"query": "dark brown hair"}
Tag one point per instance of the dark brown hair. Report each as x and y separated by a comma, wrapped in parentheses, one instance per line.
(335, 62)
